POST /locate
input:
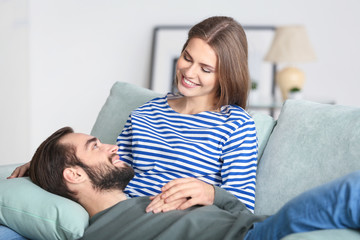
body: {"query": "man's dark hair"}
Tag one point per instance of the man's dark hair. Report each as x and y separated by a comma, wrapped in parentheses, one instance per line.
(50, 160)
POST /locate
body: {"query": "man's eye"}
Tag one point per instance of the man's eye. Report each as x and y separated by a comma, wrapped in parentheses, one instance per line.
(95, 146)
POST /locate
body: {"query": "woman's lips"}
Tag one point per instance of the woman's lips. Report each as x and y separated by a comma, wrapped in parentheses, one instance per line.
(187, 83)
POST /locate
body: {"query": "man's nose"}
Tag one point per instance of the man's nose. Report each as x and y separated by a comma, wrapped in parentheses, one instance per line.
(111, 148)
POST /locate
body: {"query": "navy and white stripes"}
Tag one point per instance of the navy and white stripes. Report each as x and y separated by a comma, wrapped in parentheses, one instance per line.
(219, 148)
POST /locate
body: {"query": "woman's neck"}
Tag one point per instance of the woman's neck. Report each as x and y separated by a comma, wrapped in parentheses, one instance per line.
(188, 105)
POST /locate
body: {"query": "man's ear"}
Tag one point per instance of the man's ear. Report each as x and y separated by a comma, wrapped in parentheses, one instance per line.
(74, 174)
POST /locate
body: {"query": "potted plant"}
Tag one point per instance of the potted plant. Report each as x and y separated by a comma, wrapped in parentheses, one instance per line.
(295, 93)
(254, 93)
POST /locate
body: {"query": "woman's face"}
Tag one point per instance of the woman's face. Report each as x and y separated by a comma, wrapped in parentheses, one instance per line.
(196, 70)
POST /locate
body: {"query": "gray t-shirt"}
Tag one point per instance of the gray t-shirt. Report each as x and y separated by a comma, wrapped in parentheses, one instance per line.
(228, 218)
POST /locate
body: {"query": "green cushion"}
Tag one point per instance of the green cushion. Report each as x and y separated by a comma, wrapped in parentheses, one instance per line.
(124, 97)
(311, 144)
(37, 214)
(333, 234)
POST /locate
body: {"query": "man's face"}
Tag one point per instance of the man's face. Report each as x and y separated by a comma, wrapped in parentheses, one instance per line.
(100, 162)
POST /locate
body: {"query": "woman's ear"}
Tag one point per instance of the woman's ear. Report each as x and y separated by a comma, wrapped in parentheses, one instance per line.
(73, 174)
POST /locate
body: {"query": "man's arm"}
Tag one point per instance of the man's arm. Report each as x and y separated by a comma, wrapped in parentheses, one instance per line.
(229, 202)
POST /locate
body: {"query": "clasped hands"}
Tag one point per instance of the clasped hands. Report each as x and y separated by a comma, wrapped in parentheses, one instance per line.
(181, 194)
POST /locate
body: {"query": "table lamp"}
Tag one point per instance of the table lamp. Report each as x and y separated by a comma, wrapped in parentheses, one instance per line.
(290, 45)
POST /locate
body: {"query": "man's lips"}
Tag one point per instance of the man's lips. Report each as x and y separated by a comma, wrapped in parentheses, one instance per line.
(116, 160)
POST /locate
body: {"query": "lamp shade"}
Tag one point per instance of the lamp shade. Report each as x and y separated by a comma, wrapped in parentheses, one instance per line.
(290, 45)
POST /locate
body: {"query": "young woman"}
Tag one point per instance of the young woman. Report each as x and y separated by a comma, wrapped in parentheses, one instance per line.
(202, 135)
(180, 145)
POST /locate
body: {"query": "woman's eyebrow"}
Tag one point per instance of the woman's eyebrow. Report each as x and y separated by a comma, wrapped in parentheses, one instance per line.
(204, 64)
(187, 53)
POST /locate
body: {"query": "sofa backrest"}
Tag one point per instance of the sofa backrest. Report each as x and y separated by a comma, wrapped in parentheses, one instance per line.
(124, 97)
(311, 144)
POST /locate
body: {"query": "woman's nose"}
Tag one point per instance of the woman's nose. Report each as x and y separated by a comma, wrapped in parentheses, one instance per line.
(190, 72)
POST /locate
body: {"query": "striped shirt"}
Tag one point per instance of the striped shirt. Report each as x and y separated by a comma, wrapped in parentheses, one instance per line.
(219, 148)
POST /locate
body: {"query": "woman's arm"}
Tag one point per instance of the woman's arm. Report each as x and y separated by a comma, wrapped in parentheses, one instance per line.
(238, 173)
(239, 166)
(124, 142)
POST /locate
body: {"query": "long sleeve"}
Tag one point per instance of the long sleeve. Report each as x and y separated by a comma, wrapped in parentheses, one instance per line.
(239, 167)
(124, 142)
(219, 148)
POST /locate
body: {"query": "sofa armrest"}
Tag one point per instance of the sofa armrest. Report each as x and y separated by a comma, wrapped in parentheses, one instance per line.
(332, 234)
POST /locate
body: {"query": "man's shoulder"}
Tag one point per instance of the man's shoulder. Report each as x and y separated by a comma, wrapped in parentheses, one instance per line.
(137, 204)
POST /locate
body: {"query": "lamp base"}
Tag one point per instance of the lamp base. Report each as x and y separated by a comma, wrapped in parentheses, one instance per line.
(289, 78)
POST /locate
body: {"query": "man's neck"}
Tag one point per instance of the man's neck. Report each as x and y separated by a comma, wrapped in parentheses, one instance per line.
(98, 201)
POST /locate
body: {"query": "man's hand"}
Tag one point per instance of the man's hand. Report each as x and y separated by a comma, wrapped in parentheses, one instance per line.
(158, 204)
(20, 171)
(195, 192)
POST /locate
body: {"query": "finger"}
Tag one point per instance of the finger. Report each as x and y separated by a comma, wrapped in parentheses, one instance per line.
(15, 173)
(175, 182)
(165, 207)
(182, 190)
(200, 192)
(179, 193)
(189, 203)
(156, 199)
(156, 208)
(20, 171)
(178, 186)
(170, 207)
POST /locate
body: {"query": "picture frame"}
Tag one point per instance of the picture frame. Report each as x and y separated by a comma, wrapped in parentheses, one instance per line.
(168, 42)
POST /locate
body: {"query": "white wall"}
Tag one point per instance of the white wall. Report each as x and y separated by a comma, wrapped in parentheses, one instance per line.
(14, 82)
(78, 49)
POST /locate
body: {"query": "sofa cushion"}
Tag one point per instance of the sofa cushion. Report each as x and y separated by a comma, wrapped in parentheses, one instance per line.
(123, 98)
(311, 144)
(37, 214)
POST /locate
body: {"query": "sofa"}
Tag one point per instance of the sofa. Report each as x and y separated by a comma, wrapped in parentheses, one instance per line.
(309, 144)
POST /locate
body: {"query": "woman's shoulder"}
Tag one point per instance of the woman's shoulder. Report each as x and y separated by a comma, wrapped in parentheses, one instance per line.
(156, 100)
(155, 103)
(235, 110)
(236, 113)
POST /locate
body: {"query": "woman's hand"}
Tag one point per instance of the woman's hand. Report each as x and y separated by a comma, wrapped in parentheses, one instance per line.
(195, 192)
(158, 204)
(20, 171)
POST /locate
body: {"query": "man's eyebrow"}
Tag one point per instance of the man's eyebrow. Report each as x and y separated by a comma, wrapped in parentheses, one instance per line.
(89, 141)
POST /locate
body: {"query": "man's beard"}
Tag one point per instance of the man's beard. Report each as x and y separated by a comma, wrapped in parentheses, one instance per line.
(105, 177)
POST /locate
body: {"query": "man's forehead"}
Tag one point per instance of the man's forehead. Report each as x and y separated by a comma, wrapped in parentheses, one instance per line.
(75, 139)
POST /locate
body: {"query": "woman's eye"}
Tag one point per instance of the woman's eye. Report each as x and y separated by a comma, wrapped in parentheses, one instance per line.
(187, 58)
(206, 70)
